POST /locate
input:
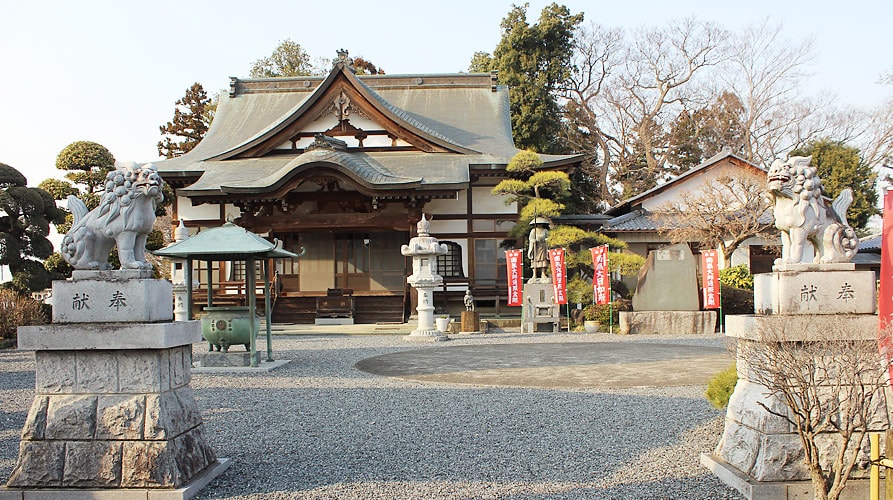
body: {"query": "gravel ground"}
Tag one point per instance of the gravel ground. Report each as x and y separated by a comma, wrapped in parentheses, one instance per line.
(320, 428)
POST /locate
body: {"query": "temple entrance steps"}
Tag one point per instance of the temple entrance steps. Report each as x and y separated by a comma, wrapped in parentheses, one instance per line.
(367, 309)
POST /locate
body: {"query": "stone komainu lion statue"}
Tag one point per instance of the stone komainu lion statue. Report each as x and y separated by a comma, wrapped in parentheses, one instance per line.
(124, 217)
(803, 216)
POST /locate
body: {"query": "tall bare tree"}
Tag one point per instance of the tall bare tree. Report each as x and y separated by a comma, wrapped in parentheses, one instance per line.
(626, 88)
(767, 71)
(596, 57)
(661, 63)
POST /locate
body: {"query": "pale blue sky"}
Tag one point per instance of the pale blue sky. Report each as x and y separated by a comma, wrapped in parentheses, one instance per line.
(110, 71)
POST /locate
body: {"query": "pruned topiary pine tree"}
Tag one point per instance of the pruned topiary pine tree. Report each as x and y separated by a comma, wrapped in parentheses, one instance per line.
(539, 193)
(25, 217)
(87, 164)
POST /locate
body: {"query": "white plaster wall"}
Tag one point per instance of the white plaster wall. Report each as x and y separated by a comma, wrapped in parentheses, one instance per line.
(186, 211)
(448, 226)
(695, 183)
(329, 121)
(742, 254)
(486, 203)
(454, 206)
(231, 211)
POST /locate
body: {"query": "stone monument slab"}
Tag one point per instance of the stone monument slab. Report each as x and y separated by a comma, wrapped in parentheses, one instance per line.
(668, 281)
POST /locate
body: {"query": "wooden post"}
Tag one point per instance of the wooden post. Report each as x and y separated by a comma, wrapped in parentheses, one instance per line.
(267, 311)
(188, 271)
(888, 480)
(252, 308)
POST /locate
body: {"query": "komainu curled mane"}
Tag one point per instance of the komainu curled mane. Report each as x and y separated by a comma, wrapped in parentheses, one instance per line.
(803, 216)
(125, 216)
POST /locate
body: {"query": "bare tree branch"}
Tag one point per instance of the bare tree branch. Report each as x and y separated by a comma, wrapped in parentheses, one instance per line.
(830, 384)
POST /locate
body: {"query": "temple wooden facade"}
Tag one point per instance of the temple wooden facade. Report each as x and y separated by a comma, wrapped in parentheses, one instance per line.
(342, 167)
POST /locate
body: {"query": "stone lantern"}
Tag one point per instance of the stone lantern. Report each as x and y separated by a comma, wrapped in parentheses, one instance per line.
(424, 250)
(178, 277)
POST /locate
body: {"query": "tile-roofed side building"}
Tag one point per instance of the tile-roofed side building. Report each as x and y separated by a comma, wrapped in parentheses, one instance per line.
(633, 220)
(343, 166)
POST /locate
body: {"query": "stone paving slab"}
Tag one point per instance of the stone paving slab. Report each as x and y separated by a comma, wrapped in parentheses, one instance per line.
(572, 365)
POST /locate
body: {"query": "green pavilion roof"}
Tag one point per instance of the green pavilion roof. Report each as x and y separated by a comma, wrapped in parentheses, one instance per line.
(227, 242)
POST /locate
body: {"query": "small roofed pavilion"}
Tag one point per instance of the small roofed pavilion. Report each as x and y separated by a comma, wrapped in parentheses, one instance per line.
(230, 242)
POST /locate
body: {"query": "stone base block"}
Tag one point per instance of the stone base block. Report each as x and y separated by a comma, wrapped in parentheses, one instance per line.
(798, 328)
(544, 326)
(333, 321)
(104, 373)
(856, 489)
(667, 322)
(79, 463)
(815, 292)
(116, 298)
(422, 335)
(228, 359)
(470, 322)
(108, 336)
(799, 267)
(184, 492)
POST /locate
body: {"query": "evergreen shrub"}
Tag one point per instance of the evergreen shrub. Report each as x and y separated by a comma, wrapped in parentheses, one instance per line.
(721, 386)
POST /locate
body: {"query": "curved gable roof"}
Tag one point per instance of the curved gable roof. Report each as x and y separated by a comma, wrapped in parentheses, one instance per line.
(340, 72)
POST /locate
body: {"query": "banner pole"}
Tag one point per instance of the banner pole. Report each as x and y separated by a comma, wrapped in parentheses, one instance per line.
(722, 319)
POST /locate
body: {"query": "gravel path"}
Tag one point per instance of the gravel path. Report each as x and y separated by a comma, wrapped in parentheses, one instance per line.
(320, 428)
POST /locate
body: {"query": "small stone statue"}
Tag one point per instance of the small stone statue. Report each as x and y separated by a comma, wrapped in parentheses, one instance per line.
(469, 300)
(537, 250)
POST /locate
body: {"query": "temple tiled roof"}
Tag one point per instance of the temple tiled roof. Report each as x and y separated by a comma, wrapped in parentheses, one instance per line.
(871, 244)
(637, 220)
(465, 114)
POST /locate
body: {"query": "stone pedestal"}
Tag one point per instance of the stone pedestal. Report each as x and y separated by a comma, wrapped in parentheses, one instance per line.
(425, 330)
(540, 308)
(128, 296)
(113, 410)
(471, 321)
(760, 454)
(667, 322)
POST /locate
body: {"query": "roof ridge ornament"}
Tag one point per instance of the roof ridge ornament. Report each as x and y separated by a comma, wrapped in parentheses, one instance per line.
(322, 141)
(344, 59)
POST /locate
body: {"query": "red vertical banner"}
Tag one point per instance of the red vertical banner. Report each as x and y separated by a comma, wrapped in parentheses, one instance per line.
(559, 275)
(710, 278)
(601, 279)
(515, 268)
(885, 292)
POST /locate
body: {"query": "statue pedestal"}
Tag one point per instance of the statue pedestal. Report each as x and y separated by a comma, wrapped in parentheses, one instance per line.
(113, 410)
(760, 453)
(471, 321)
(425, 330)
(540, 307)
